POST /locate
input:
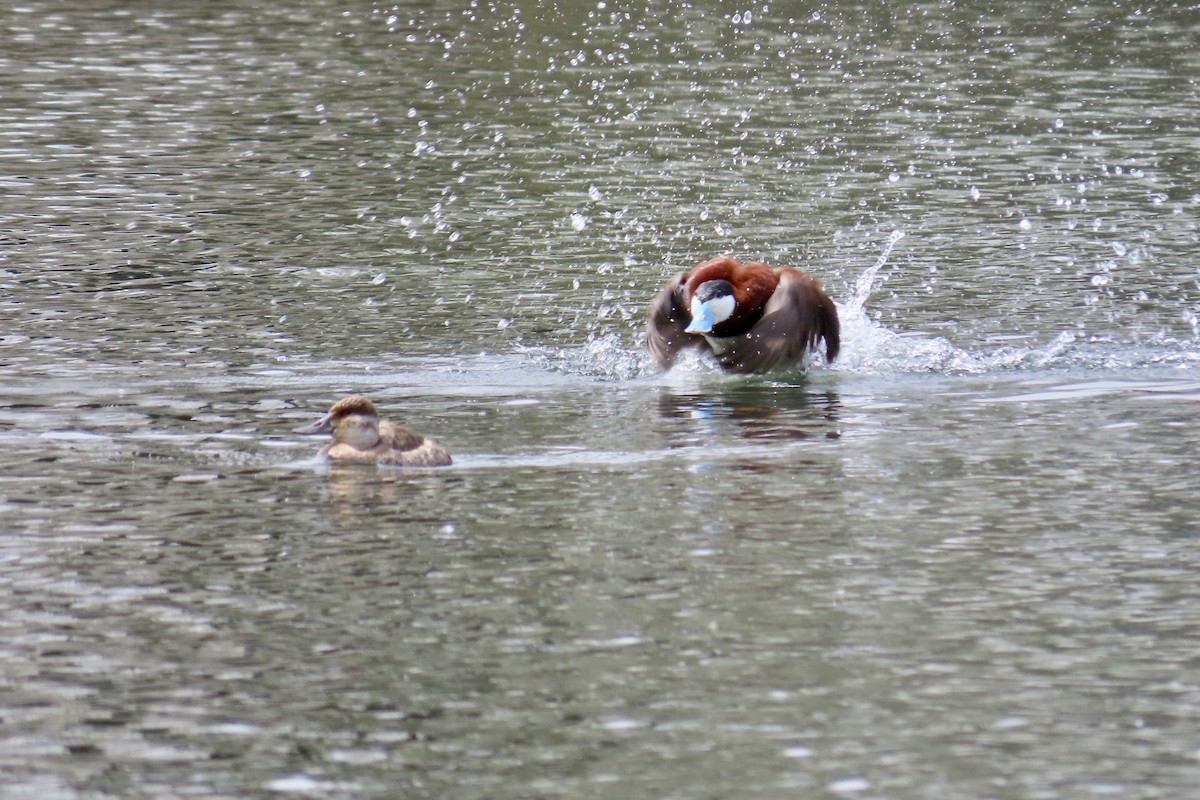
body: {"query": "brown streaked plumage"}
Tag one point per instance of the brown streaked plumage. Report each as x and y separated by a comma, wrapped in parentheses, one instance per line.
(361, 437)
(776, 316)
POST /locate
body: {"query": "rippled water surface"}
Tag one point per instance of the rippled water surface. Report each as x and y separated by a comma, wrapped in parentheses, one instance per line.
(959, 562)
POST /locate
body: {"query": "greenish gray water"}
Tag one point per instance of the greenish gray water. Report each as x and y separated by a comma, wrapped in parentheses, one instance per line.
(960, 562)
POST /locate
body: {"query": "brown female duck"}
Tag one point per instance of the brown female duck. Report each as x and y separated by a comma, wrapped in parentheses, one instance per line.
(361, 437)
(752, 317)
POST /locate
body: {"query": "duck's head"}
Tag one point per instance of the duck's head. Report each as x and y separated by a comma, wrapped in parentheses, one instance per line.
(352, 420)
(712, 304)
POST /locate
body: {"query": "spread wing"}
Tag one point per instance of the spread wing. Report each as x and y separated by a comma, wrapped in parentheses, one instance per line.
(796, 317)
(669, 315)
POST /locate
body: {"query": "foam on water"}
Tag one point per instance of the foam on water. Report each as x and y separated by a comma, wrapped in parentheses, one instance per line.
(605, 357)
(871, 348)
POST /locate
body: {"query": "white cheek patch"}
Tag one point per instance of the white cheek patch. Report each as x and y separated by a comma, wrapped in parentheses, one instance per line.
(722, 308)
(719, 308)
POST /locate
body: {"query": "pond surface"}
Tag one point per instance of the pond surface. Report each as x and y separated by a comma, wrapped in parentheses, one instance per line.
(960, 562)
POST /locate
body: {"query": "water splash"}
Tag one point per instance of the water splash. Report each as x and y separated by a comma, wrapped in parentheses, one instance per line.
(865, 284)
(604, 357)
(871, 348)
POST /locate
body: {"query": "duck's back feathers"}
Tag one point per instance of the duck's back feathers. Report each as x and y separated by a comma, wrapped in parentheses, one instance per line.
(407, 448)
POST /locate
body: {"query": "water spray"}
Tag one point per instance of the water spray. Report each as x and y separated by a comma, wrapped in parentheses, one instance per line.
(865, 283)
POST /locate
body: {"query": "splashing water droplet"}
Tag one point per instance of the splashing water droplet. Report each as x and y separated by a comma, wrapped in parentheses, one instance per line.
(865, 283)
(579, 221)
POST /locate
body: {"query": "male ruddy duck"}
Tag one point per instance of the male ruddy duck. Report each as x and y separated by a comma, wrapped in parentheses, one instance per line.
(752, 317)
(361, 437)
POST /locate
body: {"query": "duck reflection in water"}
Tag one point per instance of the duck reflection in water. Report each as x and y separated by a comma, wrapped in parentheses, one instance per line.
(361, 437)
(751, 317)
(401, 495)
(759, 411)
